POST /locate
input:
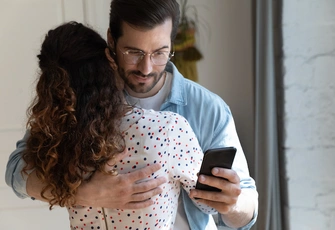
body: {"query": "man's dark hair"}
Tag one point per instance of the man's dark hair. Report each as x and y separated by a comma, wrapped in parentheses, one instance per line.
(145, 14)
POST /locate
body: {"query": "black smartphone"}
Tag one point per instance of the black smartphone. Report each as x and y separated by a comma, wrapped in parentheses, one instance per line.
(220, 157)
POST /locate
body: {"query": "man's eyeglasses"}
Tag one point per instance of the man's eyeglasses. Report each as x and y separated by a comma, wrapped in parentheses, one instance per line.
(133, 57)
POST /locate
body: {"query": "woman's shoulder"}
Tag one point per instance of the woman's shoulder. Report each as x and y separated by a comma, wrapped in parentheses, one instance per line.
(161, 114)
(140, 118)
(165, 119)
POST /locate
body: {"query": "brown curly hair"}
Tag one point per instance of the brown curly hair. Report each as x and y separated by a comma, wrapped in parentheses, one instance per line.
(75, 117)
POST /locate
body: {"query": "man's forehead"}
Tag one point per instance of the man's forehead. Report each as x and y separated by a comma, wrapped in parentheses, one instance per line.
(139, 36)
(164, 26)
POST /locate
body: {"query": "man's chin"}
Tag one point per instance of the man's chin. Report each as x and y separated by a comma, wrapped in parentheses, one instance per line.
(141, 90)
(136, 89)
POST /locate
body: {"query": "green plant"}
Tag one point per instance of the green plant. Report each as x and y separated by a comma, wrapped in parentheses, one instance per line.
(186, 52)
(185, 40)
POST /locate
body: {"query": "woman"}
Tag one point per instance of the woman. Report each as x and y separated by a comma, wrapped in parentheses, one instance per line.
(79, 124)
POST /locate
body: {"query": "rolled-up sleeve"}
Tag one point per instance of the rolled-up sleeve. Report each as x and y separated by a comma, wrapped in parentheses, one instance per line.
(14, 178)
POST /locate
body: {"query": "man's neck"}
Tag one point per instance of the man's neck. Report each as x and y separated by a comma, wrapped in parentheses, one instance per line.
(154, 102)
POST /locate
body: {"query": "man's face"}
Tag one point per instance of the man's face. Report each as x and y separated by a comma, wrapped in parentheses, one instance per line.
(143, 79)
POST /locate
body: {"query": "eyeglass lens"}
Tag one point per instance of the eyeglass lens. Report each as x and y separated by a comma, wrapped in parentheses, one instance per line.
(157, 58)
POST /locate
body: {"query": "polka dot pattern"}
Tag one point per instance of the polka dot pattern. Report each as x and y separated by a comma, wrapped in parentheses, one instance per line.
(151, 137)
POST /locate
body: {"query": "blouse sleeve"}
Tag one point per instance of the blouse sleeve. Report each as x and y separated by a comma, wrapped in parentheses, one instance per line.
(185, 156)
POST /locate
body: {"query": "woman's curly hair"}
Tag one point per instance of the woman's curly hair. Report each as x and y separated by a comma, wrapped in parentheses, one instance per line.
(75, 117)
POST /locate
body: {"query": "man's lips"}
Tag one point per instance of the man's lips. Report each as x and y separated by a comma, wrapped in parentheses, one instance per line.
(141, 78)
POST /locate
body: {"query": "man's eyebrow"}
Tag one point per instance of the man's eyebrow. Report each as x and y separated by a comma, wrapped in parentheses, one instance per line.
(163, 47)
(134, 48)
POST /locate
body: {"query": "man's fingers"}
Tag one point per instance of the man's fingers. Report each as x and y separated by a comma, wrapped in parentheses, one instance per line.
(228, 174)
(146, 195)
(220, 207)
(138, 205)
(230, 189)
(143, 173)
(149, 185)
(211, 196)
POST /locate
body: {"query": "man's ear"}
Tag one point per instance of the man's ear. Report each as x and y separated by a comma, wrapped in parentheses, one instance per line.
(110, 40)
(110, 58)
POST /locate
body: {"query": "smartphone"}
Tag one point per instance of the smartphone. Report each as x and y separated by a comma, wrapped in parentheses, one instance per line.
(220, 157)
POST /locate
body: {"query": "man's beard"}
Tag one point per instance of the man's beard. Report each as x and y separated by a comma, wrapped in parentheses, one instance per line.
(140, 87)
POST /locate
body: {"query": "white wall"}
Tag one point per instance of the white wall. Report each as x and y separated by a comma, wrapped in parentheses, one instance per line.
(225, 69)
(23, 25)
(309, 83)
(227, 65)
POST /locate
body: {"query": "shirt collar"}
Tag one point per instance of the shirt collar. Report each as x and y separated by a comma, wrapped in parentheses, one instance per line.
(177, 95)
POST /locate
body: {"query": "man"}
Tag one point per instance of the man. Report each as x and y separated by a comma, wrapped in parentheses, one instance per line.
(140, 37)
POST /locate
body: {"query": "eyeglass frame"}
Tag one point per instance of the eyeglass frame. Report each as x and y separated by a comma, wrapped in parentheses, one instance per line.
(169, 56)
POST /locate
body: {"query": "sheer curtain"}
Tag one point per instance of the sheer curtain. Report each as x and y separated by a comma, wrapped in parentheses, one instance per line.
(267, 126)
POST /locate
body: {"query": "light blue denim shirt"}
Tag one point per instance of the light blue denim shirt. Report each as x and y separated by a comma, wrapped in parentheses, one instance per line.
(211, 120)
(213, 124)
(14, 178)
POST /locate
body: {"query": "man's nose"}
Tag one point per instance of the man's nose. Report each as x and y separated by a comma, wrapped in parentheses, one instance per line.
(145, 65)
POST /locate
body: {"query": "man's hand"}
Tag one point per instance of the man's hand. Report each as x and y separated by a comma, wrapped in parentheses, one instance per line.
(120, 191)
(228, 182)
(235, 208)
(109, 191)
